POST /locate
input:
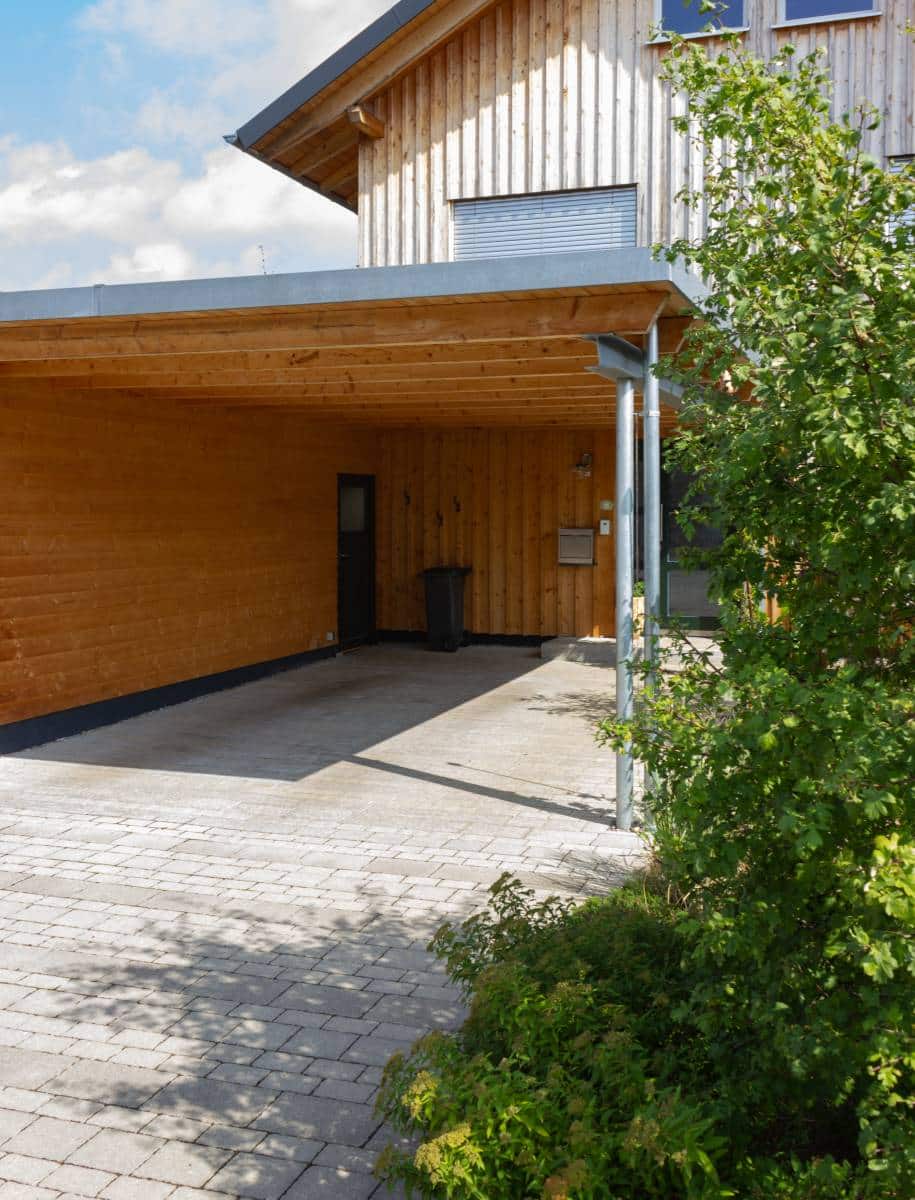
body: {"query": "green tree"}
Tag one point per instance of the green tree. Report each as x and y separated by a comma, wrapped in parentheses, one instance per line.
(785, 802)
(740, 1023)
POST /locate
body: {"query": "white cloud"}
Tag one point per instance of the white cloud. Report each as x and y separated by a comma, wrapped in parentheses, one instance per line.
(134, 216)
(175, 202)
(165, 120)
(157, 260)
(190, 27)
(46, 194)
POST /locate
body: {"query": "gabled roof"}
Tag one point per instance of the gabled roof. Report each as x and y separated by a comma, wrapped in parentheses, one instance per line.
(311, 133)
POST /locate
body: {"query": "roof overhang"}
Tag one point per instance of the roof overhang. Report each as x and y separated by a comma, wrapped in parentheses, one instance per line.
(630, 268)
(498, 342)
(309, 133)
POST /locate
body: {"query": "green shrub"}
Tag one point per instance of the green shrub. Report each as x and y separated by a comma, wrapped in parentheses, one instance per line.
(578, 1075)
(560, 1083)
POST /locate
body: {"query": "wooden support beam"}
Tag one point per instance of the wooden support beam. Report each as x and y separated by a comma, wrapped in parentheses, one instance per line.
(324, 150)
(392, 360)
(335, 325)
(671, 331)
(365, 122)
(559, 372)
(354, 400)
(335, 181)
(571, 384)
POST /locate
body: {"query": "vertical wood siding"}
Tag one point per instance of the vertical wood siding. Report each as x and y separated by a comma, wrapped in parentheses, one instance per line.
(541, 95)
(494, 500)
(141, 549)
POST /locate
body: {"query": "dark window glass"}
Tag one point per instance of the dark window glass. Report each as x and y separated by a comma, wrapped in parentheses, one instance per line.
(802, 10)
(704, 537)
(677, 17)
(352, 509)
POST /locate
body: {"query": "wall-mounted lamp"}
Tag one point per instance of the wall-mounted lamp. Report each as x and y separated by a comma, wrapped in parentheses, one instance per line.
(583, 467)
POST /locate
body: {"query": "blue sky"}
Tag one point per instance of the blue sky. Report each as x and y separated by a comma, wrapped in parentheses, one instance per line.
(112, 164)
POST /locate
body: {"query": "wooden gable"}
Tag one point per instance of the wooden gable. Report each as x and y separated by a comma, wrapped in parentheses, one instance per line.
(317, 141)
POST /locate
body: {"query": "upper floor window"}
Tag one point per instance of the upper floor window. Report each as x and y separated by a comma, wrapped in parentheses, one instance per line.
(812, 10)
(694, 16)
(547, 223)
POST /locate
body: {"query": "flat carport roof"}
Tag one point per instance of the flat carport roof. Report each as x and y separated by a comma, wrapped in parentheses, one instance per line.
(490, 342)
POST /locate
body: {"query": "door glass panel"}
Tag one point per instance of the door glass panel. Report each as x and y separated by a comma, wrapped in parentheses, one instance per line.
(353, 509)
(685, 593)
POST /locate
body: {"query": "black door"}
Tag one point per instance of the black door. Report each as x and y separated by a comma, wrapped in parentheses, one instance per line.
(356, 559)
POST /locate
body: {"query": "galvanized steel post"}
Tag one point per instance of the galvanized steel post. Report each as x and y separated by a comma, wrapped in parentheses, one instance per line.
(651, 448)
(651, 451)
(625, 541)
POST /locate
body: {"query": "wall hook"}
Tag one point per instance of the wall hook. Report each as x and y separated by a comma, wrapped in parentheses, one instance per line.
(407, 499)
(440, 519)
(457, 505)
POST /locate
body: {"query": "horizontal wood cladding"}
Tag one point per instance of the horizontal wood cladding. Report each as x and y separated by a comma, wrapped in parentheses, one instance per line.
(495, 500)
(144, 546)
(546, 95)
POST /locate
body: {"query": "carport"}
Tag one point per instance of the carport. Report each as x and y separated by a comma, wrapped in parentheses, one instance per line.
(172, 457)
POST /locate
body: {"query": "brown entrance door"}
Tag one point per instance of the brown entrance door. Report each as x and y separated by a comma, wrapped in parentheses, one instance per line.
(356, 559)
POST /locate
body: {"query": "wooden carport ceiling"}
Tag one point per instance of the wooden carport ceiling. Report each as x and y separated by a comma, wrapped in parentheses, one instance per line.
(496, 359)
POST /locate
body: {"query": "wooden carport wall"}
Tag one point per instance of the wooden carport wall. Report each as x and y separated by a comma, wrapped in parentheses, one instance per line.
(507, 365)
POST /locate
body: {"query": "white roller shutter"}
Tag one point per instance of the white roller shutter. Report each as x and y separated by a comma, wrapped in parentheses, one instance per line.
(504, 227)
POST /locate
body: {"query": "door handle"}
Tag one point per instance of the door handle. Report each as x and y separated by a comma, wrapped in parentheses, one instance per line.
(342, 556)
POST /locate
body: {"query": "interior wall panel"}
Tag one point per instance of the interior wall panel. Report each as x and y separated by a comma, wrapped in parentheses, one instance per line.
(494, 500)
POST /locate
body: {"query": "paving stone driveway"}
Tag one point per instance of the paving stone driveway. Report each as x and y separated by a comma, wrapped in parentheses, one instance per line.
(213, 918)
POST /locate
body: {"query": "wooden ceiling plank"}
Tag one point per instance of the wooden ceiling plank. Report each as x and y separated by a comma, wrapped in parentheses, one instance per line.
(333, 182)
(376, 379)
(319, 146)
(367, 358)
(577, 381)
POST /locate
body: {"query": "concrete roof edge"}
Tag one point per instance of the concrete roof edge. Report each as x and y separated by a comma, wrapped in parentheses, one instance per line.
(331, 68)
(626, 267)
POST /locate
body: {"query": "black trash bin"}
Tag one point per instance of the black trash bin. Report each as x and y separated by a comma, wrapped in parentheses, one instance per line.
(445, 606)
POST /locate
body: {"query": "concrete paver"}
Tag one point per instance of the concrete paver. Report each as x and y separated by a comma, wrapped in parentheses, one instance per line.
(213, 919)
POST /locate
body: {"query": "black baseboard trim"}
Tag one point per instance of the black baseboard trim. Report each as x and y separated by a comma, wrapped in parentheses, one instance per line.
(507, 639)
(418, 636)
(37, 731)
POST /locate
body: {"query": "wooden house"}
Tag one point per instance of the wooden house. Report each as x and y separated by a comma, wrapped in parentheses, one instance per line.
(202, 482)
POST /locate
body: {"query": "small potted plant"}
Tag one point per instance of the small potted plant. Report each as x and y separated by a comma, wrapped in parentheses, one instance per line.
(638, 609)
